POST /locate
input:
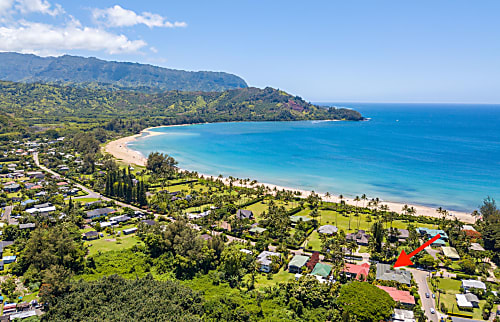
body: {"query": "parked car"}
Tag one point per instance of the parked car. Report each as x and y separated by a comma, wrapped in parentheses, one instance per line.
(427, 295)
(433, 295)
(432, 310)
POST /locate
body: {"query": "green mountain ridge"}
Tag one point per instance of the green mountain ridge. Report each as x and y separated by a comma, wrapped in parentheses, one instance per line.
(96, 73)
(42, 105)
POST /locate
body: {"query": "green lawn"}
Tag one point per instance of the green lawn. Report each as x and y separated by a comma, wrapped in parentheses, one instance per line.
(83, 200)
(330, 217)
(262, 281)
(259, 207)
(452, 287)
(109, 243)
(313, 242)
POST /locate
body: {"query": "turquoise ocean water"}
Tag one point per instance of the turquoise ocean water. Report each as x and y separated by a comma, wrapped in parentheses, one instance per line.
(427, 154)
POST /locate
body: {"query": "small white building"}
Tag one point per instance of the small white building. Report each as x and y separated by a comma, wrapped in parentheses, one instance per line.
(468, 284)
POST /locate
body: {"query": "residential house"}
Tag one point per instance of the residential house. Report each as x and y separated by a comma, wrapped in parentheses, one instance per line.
(404, 297)
(244, 214)
(265, 260)
(256, 230)
(91, 214)
(121, 218)
(359, 272)
(296, 219)
(149, 222)
(3, 244)
(9, 259)
(297, 262)
(91, 235)
(385, 273)
(429, 233)
(42, 209)
(477, 247)
(401, 315)
(246, 251)
(468, 227)
(360, 237)
(30, 225)
(328, 229)
(198, 216)
(313, 261)
(468, 284)
(130, 231)
(467, 303)
(451, 253)
(14, 187)
(403, 234)
(36, 175)
(322, 270)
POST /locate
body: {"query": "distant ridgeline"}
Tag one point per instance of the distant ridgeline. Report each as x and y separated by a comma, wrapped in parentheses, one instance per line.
(39, 104)
(96, 73)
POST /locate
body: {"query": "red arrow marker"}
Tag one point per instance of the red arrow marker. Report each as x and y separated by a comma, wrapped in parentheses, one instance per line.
(404, 260)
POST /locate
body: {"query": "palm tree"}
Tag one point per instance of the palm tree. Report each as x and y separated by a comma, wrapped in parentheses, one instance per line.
(405, 209)
(355, 199)
(363, 197)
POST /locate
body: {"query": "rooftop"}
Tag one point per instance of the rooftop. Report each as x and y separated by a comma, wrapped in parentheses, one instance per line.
(328, 229)
(450, 252)
(385, 273)
(399, 296)
(321, 270)
(298, 260)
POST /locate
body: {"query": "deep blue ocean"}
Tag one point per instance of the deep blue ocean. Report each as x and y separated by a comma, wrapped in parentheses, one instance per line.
(429, 154)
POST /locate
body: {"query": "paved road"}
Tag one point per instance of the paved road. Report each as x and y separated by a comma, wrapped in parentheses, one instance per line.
(90, 193)
(6, 215)
(421, 279)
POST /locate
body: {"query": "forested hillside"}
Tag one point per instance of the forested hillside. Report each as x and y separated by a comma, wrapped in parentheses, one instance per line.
(96, 73)
(43, 105)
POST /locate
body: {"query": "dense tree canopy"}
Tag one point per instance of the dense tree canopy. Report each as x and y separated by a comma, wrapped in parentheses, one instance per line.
(116, 299)
(364, 302)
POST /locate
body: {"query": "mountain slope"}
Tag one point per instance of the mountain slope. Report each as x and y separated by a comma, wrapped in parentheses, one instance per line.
(42, 104)
(93, 72)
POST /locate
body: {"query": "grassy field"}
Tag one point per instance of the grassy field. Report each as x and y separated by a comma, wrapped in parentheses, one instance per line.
(262, 281)
(452, 287)
(109, 243)
(259, 207)
(313, 242)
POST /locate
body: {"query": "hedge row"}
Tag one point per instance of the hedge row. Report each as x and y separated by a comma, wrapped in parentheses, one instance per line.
(251, 202)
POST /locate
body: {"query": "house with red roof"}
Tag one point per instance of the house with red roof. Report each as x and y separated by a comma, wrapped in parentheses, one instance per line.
(404, 297)
(359, 272)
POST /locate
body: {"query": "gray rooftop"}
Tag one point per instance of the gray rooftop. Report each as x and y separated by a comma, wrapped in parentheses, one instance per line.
(385, 273)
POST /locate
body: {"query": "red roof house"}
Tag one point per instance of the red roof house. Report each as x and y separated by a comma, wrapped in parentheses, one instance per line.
(360, 272)
(313, 261)
(399, 296)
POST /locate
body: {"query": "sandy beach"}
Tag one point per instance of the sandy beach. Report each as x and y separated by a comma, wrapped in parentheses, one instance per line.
(120, 151)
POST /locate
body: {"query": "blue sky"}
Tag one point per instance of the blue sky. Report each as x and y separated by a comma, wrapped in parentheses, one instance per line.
(375, 51)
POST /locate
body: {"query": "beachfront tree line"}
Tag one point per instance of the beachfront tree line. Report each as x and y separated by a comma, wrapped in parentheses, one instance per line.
(123, 185)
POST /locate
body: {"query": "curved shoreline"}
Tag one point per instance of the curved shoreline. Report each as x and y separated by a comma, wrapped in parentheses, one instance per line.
(119, 149)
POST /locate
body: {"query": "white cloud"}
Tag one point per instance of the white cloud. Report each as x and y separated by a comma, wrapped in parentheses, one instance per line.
(40, 6)
(48, 39)
(9, 7)
(119, 17)
(5, 6)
